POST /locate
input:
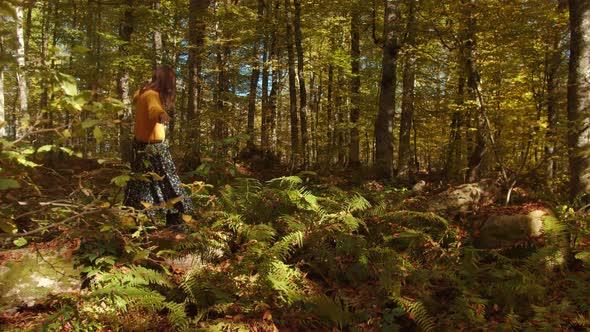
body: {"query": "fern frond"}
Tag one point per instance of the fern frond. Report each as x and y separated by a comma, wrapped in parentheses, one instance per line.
(357, 203)
(261, 232)
(232, 221)
(283, 248)
(287, 281)
(291, 181)
(380, 210)
(417, 312)
(331, 308)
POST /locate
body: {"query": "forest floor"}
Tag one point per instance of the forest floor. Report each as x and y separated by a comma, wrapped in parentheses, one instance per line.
(427, 269)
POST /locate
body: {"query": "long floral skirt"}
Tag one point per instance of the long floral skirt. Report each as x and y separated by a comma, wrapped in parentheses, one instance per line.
(155, 187)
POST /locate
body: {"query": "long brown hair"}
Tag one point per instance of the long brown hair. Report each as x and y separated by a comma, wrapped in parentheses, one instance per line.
(163, 81)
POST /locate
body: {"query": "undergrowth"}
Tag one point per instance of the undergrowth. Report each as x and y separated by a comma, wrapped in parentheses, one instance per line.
(281, 254)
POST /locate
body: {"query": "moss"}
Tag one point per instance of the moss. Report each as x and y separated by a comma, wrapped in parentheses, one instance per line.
(34, 276)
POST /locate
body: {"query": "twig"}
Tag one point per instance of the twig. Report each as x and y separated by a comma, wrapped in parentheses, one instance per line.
(40, 229)
(46, 261)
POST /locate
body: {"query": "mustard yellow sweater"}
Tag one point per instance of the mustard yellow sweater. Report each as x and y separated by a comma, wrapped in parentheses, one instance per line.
(147, 115)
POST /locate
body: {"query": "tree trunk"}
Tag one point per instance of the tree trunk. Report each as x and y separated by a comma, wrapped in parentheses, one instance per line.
(340, 106)
(292, 87)
(454, 151)
(302, 88)
(554, 60)
(254, 77)
(408, 79)
(578, 98)
(21, 76)
(265, 102)
(355, 88)
(126, 29)
(385, 117)
(269, 64)
(469, 44)
(330, 116)
(3, 123)
(198, 10)
(28, 28)
(157, 38)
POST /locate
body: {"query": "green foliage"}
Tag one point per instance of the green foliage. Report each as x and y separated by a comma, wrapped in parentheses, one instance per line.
(418, 312)
(331, 258)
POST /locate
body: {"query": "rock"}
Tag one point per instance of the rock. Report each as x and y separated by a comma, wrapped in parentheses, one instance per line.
(503, 231)
(29, 277)
(419, 186)
(463, 198)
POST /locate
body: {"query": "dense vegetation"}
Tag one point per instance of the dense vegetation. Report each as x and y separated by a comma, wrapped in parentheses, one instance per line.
(300, 128)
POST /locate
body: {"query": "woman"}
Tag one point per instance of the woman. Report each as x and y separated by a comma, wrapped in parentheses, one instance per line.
(155, 187)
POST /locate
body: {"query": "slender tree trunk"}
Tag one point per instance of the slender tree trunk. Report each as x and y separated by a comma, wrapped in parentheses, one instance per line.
(554, 58)
(355, 88)
(330, 116)
(126, 29)
(157, 38)
(469, 42)
(222, 114)
(45, 25)
(3, 123)
(265, 102)
(302, 88)
(578, 98)
(28, 28)
(21, 76)
(408, 79)
(551, 86)
(198, 10)
(454, 152)
(273, 106)
(254, 77)
(385, 117)
(292, 86)
(340, 106)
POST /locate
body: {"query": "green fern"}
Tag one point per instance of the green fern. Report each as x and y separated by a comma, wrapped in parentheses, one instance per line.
(417, 312)
(357, 203)
(290, 181)
(285, 247)
(287, 281)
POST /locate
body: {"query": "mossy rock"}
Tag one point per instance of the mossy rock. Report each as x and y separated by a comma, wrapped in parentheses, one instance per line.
(34, 275)
(503, 231)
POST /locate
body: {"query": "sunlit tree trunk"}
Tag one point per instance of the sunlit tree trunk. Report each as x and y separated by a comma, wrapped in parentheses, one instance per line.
(408, 79)
(157, 38)
(21, 70)
(355, 88)
(265, 103)
(385, 117)
(292, 87)
(302, 88)
(275, 59)
(578, 98)
(3, 123)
